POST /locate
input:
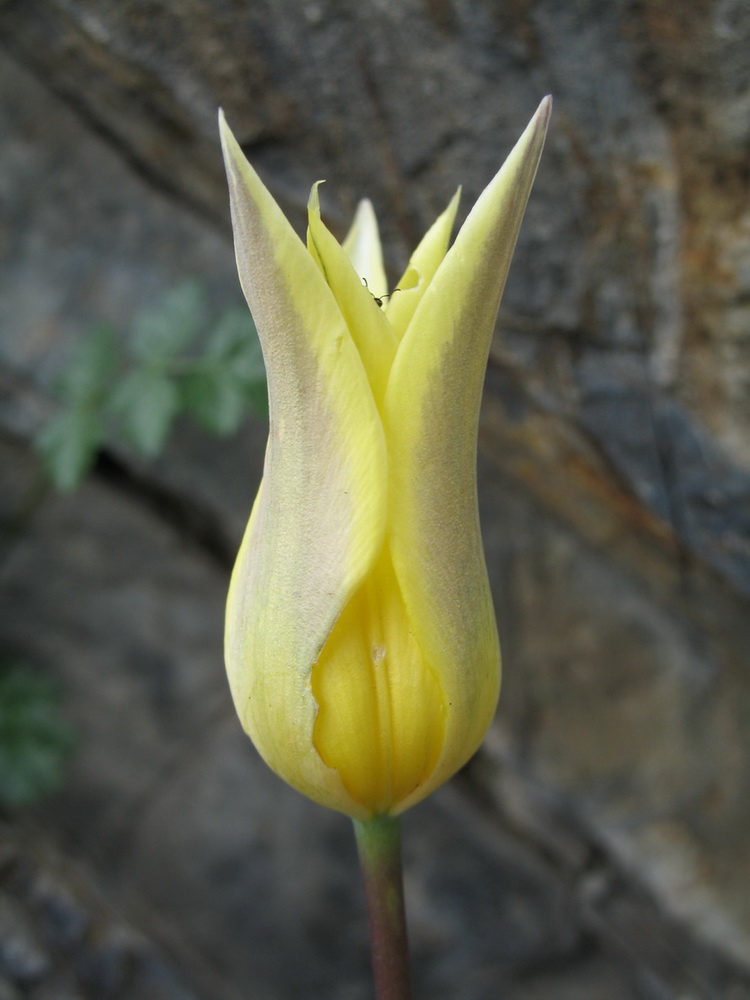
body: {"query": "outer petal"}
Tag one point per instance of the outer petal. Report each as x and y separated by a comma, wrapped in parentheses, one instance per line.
(363, 248)
(431, 416)
(319, 519)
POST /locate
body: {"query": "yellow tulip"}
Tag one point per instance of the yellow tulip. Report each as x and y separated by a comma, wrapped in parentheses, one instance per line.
(361, 643)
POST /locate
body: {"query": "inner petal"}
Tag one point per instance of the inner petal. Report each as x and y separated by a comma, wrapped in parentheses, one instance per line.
(363, 248)
(368, 325)
(381, 713)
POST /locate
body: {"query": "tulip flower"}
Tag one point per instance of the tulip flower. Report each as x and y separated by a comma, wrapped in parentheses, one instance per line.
(361, 643)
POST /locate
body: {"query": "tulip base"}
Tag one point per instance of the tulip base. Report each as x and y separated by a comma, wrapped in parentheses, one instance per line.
(379, 846)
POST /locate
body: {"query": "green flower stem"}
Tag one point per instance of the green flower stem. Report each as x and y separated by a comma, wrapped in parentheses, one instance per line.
(379, 846)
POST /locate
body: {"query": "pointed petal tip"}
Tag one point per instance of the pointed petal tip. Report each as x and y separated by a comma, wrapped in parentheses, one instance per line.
(313, 202)
(544, 110)
(365, 212)
(536, 131)
(229, 143)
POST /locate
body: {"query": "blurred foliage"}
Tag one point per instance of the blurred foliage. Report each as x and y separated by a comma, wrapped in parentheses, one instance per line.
(132, 387)
(35, 738)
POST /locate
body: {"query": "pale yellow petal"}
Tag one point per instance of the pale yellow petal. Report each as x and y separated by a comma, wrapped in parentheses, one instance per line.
(319, 520)
(370, 330)
(431, 417)
(363, 248)
(422, 266)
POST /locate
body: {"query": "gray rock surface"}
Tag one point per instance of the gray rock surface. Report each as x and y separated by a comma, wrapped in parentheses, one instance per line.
(598, 845)
(60, 941)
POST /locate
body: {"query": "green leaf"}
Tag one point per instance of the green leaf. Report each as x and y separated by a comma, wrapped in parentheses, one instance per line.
(248, 363)
(234, 342)
(68, 443)
(256, 394)
(91, 366)
(146, 402)
(35, 739)
(230, 335)
(167, 329)
(216, 397)
(234, 339)
(217, 386)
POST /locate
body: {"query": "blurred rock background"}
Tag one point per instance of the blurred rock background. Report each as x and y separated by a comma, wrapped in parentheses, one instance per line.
(599, 844)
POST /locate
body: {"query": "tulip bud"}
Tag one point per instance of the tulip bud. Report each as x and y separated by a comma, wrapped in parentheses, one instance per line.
(361, 644)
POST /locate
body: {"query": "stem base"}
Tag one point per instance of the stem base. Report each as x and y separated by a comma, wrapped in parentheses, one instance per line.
(379, 847)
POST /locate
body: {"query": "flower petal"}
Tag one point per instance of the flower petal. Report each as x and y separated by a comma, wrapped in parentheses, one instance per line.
(370, 330)
(317, 525)
(431, 417)
(363, 248)
(422, 266)
(381, 710)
